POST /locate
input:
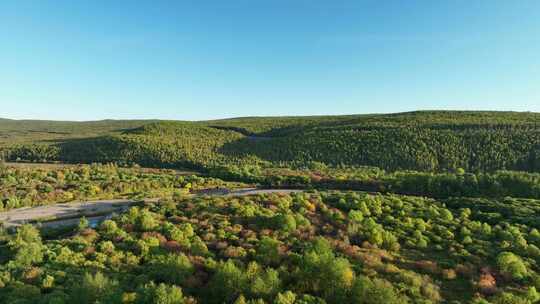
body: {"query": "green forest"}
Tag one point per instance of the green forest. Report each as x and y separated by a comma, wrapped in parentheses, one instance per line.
(418, 207)
(437, 141)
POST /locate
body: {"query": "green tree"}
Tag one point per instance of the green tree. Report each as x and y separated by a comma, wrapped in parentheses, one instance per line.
(268, 251)
(511, 265)
(27, 246)
(83, 224)
(93, 288)
(160, 294)
(171, 268)
(146, 221)
(287, 297)
(227, 283)
(324, 274)
(375, 291)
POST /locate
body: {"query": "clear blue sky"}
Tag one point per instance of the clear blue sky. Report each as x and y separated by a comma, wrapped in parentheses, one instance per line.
(82, 60)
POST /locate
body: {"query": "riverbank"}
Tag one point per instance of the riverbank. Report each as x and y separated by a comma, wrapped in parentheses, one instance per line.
(55, 215)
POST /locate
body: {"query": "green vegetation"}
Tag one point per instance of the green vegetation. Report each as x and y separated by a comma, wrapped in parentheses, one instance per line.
(30, 131)
(420, 207)
(440, 185)
(314, 247)
(422, 141)
(28, 187)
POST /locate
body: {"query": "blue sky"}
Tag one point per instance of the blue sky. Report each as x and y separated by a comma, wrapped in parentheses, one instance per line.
(85, 60)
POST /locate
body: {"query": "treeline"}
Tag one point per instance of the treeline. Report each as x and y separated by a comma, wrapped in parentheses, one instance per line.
(315, 175)
(282, 126)
(421, 149)
(438, 185)
(30, 152)
(164, 144)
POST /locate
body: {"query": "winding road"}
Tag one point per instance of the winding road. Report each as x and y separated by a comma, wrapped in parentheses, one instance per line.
(69, 213)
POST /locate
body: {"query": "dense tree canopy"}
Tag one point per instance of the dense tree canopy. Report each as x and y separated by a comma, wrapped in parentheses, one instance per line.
(422, 141)
(345, 247)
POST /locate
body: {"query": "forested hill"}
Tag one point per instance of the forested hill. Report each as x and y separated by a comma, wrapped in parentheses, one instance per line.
(43, 131)
(425, 140)
(429, 119)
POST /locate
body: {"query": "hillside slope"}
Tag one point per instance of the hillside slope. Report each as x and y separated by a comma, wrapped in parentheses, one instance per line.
(425, 140)
(44, 131)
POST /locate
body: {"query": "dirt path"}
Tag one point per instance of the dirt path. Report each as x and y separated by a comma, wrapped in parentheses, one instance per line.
(20, 216)
(69, 213)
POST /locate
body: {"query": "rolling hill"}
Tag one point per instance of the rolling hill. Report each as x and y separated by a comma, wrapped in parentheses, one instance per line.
(422, 140)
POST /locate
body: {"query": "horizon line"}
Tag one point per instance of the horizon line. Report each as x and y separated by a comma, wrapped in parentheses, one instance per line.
(7, 118)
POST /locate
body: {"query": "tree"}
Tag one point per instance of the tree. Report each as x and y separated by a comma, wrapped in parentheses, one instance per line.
(227, 283)
(145, 221)
(83, 224)
(324, 274)
(265, 284)
(509, 298)
(287, 297)
(171, 268)
(160, 294)
(168, 295)
(268, 251)
(309, 299)
(21, 293)
(285, 222)
(511, 265)
(230, 282)
(198, 247)
(47, 282)
(356, 216)
(93, 288)
(375, 291)
(27, 246)
(447, 215)
(108, 228)
(240, 300)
